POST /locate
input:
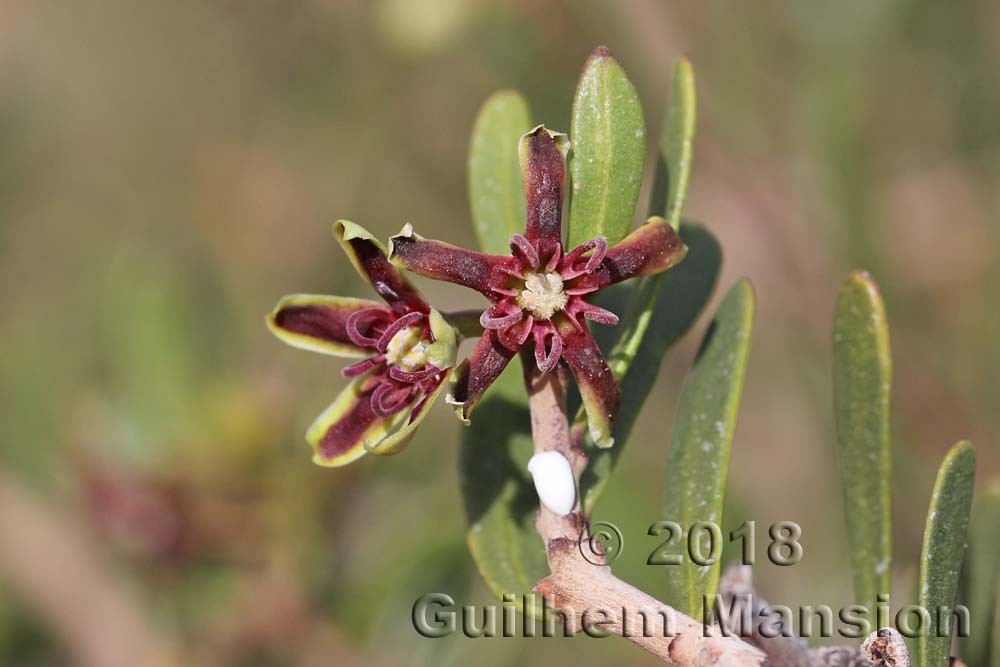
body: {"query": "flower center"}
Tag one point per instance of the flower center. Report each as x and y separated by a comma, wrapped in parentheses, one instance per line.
(542, 295)
(407, 349)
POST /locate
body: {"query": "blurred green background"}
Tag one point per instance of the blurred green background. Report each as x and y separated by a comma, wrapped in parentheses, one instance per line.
(169, 170)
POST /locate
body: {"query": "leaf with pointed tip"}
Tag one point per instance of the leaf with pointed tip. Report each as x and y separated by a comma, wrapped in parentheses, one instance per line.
(608, 150)
(862, 376)
(662, 310)
(677, 142)
(700, 443)
(495, 191)
(944, 550)
(982, 574)
(499, 495)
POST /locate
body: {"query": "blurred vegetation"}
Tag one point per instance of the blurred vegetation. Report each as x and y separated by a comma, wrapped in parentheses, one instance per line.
(168, 170)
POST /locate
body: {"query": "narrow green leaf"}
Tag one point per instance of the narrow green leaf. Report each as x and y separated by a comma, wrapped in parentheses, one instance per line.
(663, 309)
(982, 573)
(500, 499)
(677, 143)
(495, 191)
(862, 376)
(944, 551)
(608, 149)
(699, 449)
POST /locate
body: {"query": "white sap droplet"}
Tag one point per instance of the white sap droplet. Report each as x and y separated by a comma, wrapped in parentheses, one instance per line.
(553, 481)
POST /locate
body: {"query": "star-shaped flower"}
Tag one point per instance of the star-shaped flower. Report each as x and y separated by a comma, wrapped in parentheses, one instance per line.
(539, 293)
(406, 352)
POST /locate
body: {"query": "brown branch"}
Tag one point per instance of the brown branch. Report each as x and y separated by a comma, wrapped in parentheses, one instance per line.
(883, 648)
(588, 595)
(57, 570)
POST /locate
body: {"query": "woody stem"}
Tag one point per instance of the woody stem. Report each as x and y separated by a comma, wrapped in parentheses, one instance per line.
(588, 594)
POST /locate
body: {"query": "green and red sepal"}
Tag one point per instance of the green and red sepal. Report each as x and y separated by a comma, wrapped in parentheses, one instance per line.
(406, 351)
(321, 323)
(599, 390)
(371, 261)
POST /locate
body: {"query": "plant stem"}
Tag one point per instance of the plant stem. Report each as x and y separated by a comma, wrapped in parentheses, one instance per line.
(58, 571)
(588, 594)
(883, 648)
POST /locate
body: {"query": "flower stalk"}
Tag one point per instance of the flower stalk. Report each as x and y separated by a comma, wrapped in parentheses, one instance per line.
(588, 593)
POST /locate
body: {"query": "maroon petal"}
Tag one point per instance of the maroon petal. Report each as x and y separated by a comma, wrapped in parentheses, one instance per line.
(370, 260)
(652, 248)
(373, 414)
(477, 373)
(338, 436)
(324, 323)
(543, 172)
(443, 261)
(598, 388)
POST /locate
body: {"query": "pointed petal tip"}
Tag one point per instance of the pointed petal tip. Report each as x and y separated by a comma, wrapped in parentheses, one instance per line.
(405, 233)
(371, 260)
(345, 230)
(560, 139)
(460, 408)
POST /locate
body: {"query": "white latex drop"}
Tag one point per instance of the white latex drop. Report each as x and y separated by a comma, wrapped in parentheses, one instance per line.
(553, 481)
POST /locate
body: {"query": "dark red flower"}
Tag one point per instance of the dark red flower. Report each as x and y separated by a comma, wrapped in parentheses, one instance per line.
(539, 293)
(406, 348)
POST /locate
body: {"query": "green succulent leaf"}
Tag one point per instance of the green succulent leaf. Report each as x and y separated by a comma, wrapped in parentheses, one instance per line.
(862, 374)
(499, 495)
(659, 310)
(982, 574)
(495, 191)
(677, 142)
(699, 449)
(944, 550)
(608, 149)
